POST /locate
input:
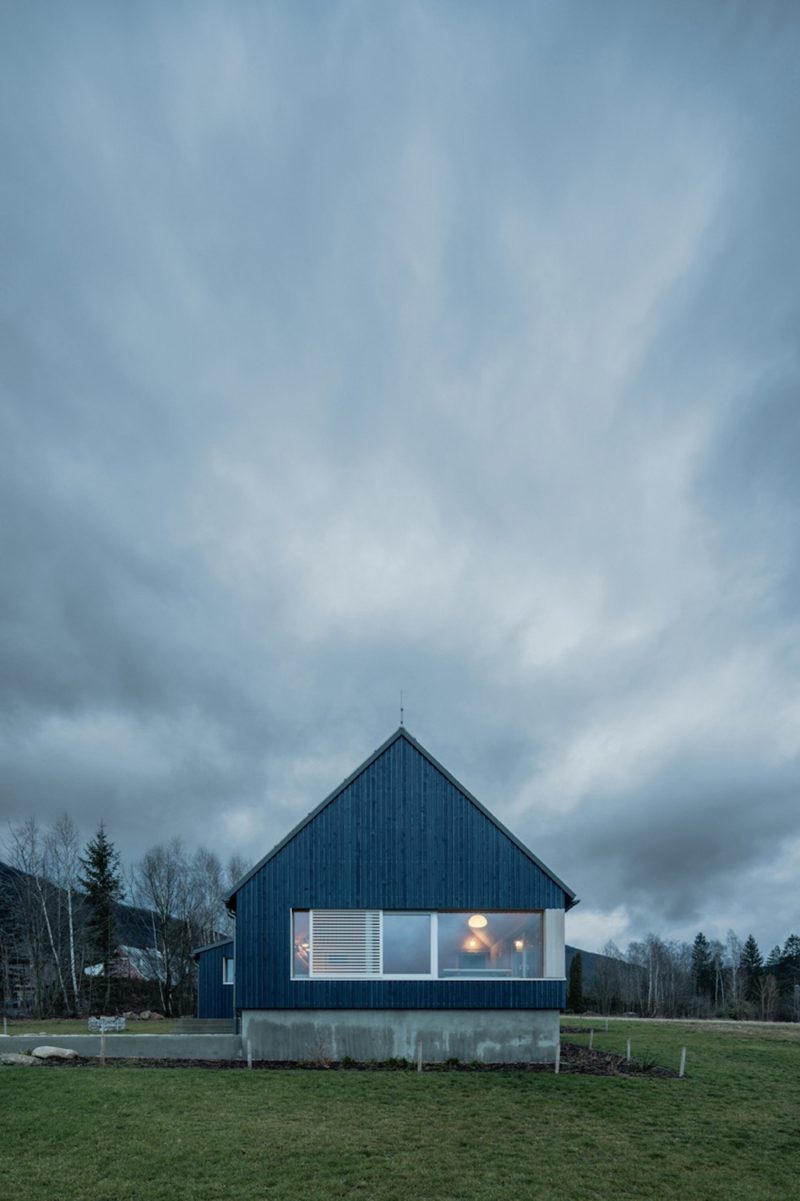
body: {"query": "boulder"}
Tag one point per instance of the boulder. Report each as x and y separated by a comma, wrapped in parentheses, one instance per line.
(156, 1017)
(24, 1061)
(54, 1053)
(145, 1015)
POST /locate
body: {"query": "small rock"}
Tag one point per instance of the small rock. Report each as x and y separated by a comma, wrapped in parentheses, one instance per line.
(54, 1053)
(24, 1061)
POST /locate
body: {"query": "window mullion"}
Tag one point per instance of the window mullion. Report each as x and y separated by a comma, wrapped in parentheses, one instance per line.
(380, 942)
(435, 945)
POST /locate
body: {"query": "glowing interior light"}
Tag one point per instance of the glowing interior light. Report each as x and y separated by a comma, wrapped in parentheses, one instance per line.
(477, 921)
(519, 944)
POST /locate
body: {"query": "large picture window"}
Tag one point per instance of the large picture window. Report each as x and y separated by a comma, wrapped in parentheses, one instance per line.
(374, 943)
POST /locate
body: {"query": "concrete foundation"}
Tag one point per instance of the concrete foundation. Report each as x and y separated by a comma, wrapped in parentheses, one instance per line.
(133, 1046)
(485, 1035)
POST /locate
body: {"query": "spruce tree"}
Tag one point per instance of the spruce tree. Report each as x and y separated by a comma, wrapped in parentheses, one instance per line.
(702, 967)
(774, 957)
(751, 964)
(575, 989)
(789, 975)
(101, 883)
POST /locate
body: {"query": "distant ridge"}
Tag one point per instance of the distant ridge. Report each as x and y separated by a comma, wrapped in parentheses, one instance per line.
(134, 925)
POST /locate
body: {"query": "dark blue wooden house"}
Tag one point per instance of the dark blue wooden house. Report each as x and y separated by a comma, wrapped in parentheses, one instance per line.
(399, 912)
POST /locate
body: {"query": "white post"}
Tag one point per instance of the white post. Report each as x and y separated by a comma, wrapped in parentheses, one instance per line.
(249, 1055)
(606, 1025)
(419, 1054)
(591, 1038)
(558, 1057)
(683, 1062)
(103, 1048)
(628, 1056)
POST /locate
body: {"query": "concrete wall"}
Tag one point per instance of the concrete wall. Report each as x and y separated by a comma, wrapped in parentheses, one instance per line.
(133, 1046)
(486, 1035)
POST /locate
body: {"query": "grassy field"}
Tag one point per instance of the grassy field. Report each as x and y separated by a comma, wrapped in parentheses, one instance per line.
(80, 1026)
(728, 1131)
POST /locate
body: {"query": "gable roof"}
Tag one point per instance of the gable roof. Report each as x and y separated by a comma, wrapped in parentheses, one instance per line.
(212, 946)
(400, 733)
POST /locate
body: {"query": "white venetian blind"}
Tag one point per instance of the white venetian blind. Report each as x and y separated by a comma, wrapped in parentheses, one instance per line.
(345, 942)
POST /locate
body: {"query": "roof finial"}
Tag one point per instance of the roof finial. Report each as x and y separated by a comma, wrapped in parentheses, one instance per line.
(401, 706)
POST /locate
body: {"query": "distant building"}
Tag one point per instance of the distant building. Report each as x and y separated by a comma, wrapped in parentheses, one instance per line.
(132, 963)
(399, 912)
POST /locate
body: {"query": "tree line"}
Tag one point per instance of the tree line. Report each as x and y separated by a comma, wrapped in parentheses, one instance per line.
(703, 979)
(78, 935)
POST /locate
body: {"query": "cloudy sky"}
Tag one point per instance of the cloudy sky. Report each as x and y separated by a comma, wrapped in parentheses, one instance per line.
(451, 348)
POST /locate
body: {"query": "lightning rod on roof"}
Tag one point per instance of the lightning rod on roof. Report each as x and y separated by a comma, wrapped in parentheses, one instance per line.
(401, 706)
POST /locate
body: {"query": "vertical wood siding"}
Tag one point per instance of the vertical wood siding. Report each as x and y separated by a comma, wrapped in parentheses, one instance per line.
(399, 836)
(214, 999)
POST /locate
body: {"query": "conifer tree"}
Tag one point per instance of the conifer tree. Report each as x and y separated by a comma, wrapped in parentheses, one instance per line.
(751, 965)
(789, 975)
(101, 883)
(774, 957)
(702, 966)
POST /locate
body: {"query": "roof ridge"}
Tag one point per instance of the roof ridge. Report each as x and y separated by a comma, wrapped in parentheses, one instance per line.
(401, 732)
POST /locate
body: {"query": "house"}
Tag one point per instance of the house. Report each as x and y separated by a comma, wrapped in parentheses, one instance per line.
(399, 912)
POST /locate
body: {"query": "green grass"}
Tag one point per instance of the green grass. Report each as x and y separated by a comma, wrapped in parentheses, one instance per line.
(729, 1131)
(81, 1026)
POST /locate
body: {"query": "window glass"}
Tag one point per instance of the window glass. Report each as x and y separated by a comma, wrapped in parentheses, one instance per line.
(227, 970)
(406, 944)
(300, 943)
(490, 945)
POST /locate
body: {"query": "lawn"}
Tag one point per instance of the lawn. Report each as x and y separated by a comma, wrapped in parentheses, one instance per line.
(80, 1026)
(727, 1131)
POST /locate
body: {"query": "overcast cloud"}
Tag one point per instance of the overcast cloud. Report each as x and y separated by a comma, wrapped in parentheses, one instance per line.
(446, 347)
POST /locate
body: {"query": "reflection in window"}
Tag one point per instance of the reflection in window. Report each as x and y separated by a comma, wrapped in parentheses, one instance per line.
(300, 943)
(406, 944)
(490, 945)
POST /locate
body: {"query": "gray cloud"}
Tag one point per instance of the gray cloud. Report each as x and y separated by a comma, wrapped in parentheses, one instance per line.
(442, 349)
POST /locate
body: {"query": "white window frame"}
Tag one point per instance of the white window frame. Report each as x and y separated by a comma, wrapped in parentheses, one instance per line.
(228, 959)
(550, 926)
(434, 958)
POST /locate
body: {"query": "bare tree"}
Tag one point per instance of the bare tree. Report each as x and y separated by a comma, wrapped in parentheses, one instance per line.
(62, 865)
(733, 959)
(162, 883)
(767, 996)
(35, 899)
